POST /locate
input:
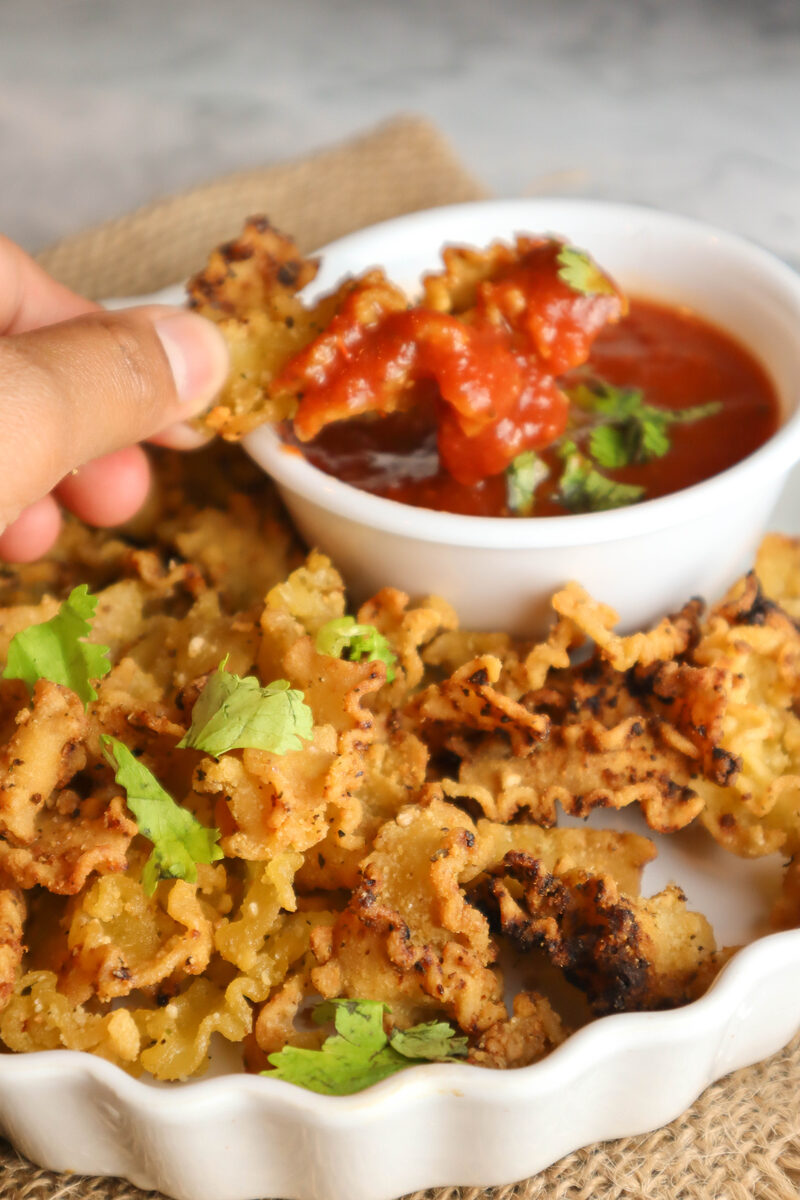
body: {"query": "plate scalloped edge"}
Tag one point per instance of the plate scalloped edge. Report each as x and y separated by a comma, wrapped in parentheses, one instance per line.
(239, 1136)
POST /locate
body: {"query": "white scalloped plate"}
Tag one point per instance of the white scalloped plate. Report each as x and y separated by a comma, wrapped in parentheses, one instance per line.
(233, 1137)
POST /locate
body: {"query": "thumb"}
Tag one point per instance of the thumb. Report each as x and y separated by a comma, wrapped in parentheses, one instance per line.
(74, 391)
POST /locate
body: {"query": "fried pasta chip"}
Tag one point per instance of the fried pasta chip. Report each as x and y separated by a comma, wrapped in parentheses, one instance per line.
(624, 952)
(12, 921)
(71, 841)
(388, 776)
(777, 567)
(585, 766)
(532, 1032)
(42, 755)
(469, 699)
(622, 856)
(249, 288)
(752, 648)
(455, 289)
(409, 932)
(39, 1017)
(672, 636)
(408, 630)
(121, 940)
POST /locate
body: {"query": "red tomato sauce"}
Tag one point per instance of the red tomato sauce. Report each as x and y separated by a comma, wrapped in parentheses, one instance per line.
(489, 371)
(676, 358)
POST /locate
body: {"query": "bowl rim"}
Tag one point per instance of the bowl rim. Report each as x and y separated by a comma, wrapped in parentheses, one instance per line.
(589, 1046)
(293, 471)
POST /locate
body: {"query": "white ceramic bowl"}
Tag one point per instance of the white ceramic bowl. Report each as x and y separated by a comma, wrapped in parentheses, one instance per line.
(645, 559)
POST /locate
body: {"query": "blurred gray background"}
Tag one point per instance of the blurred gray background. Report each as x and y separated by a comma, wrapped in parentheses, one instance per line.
(691, 105)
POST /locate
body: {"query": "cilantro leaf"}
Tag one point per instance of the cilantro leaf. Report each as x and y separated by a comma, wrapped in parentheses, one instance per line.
(582, 488)
(632, 431)
(581, 273)
(234, 711)
(523, 476)
(607, 446)
(433, 1042)
(344, 638)
(653, 441)
(360, 1053)
(55, 649)
(607, 399)
(179, 840)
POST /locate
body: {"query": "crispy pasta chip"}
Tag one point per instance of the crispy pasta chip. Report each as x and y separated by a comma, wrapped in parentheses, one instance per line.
(585, 766)
(624, 952)
(410, 932)
(778, 569)
(470, 700)
(408, 631)
(12, 921)
(455, 289)
(623, 856)
(532, 1032)
(39, 1017)
(42, 755)
(249, 288)
(752, 647)
(672, 636)
(71, 841)
(122, 940)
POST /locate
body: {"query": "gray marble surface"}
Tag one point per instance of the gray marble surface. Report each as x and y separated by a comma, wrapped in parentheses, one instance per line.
(691, 105)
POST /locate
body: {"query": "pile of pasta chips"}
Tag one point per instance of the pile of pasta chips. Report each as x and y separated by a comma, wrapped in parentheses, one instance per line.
(406, 849)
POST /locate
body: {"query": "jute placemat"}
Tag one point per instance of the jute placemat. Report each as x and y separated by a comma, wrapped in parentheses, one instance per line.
(741, 1140)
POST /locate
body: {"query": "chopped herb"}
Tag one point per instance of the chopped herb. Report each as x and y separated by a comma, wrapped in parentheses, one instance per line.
(582, 488)
(57, 650)
(523, 476)
(361, 1053)
(344, 638)
(582, 273)
(234, 711)
(607, 446)
(179, 840)
(631, 431)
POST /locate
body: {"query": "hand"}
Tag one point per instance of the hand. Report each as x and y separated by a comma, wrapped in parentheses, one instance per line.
(79, 388)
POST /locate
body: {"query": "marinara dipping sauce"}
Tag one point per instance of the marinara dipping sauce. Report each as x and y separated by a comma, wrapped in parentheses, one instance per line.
(640, 369)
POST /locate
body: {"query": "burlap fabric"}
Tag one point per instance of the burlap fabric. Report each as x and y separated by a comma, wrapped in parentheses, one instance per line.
(742, 1137)
(400, 167)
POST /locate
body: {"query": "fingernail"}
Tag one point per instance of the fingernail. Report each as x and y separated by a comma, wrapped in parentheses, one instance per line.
(197, 355)
(181, 436)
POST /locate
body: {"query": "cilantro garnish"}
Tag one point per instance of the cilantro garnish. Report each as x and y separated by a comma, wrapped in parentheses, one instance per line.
(581, 273)
(523, 476)
(56, 649)
(582, 488)
(179, 840)
(344, 638)
(631, 431)
(234, 711)
(361, 1053)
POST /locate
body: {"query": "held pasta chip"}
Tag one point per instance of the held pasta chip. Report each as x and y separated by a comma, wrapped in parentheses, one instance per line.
(361, 807)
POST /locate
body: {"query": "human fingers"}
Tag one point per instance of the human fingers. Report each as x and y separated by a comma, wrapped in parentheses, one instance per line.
(73, 392)
(32, 534)
(108, 490)
(29, 298)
